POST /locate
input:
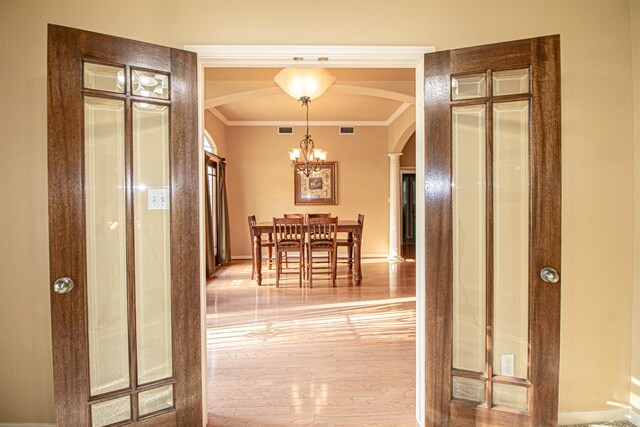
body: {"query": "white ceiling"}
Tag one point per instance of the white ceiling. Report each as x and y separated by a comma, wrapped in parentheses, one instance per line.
(248, 96)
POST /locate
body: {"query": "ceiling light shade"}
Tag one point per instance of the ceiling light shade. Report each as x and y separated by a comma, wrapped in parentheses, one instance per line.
(304, 82)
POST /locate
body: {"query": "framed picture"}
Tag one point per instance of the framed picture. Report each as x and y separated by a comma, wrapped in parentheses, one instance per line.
(319, 188)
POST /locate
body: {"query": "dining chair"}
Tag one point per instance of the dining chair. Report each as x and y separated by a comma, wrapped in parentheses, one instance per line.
(268, 244)
(291, 215)
(289, 238)
(318, 215)
(348, 243)
(322, 233)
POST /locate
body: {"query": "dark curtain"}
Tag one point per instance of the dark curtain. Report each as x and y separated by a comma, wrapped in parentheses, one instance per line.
(209, 225)
(224, 244)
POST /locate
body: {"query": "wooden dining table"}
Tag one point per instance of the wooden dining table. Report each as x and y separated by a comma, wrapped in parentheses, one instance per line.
(351, 227)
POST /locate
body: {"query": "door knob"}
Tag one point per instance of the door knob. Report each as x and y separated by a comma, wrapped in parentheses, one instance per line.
(549, 275)
(63, 285)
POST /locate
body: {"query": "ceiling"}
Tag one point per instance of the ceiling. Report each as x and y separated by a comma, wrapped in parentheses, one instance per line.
(360, 96)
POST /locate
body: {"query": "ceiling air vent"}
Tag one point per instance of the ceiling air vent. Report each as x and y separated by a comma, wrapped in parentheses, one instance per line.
(285, 130)
(347, 130)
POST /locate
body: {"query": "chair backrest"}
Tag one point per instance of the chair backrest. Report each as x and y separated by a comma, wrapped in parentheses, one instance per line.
(361, 222)
(293, 215)
(288, 231)
(318, 215)
(322, 230)
(251, 219)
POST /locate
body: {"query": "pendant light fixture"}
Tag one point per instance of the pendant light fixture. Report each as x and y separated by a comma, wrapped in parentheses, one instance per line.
(305, 84)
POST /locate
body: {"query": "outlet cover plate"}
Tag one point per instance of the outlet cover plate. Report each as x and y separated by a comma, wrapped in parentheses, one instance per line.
(508, 365)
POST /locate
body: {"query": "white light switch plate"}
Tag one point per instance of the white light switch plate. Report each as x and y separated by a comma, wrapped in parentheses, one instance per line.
(508, 362)
(158, 199)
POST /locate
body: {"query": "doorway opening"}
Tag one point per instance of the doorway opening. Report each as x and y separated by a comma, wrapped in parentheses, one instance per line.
(408, 215)
(261, 57)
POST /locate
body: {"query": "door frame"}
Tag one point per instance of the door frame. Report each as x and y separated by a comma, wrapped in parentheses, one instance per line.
(263, 56)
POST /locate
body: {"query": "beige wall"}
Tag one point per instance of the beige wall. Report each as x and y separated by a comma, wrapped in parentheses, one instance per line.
(218, 132)
(634, 397)
(260, 180)
(598, 167)
(408, 158)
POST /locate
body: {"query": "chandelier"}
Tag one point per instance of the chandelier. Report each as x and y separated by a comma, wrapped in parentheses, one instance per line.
(304, 84)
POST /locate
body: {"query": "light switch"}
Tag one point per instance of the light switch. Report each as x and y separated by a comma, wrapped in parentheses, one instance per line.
(158, 199)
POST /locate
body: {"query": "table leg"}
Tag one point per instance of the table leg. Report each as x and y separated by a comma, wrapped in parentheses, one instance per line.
(257, 256)
(357, 271)
(350, 252)
(270, 250)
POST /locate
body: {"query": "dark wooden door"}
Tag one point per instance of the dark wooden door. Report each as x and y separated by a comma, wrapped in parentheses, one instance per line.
(492, 185)
(123, 227)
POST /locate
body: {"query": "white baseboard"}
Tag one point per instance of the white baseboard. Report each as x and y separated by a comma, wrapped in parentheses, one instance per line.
(341, 256)
(633, 417)
(586, 417)
(26, 425)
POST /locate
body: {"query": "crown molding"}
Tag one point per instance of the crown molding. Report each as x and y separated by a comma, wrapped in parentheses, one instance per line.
(317, 123)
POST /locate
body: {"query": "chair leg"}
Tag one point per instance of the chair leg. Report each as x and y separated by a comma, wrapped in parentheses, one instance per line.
(300, 269)
(278, 267)
(334, 266)
(350, 257)
(253, 267)
(310, 269)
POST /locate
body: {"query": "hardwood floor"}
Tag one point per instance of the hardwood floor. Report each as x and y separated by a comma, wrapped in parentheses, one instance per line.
(323, 356)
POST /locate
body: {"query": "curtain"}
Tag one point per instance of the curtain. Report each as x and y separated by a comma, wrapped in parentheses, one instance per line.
(209, 225)
(224, 241)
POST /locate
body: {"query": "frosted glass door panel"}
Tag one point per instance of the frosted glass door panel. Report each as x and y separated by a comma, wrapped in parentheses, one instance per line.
(152, 241)
(106, 245)
(468, 389)
(111, 412)
(511, 234)
(155, 400)
(511, 82)
(469, 86)
(150, 84)
(510, 396)
(103, 77)
(469, 237)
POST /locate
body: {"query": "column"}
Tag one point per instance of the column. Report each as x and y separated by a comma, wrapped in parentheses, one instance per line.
(394, 207)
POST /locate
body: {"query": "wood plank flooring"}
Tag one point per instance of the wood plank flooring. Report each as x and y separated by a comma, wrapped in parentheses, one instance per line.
(342, 356)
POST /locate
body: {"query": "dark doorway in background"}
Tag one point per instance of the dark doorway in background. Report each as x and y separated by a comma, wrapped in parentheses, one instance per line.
(409, 216)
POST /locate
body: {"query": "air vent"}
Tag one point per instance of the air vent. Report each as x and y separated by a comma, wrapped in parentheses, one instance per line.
(285, 130)
(347, 130)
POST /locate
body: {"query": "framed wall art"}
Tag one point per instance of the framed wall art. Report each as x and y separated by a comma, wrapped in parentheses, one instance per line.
(319, 188)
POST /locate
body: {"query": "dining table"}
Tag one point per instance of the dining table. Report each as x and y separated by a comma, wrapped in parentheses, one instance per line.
(351, 227)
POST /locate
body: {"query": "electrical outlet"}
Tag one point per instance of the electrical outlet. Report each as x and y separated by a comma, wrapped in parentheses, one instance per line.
(158, 199)
(508, 365)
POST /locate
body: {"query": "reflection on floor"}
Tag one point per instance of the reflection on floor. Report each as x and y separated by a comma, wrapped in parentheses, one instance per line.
(327, 356)
(606, 424)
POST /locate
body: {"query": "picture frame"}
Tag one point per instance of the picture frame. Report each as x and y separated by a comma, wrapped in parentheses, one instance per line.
(319, 188)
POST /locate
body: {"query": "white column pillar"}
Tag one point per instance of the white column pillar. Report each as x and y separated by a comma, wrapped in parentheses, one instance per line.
(394, 207)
